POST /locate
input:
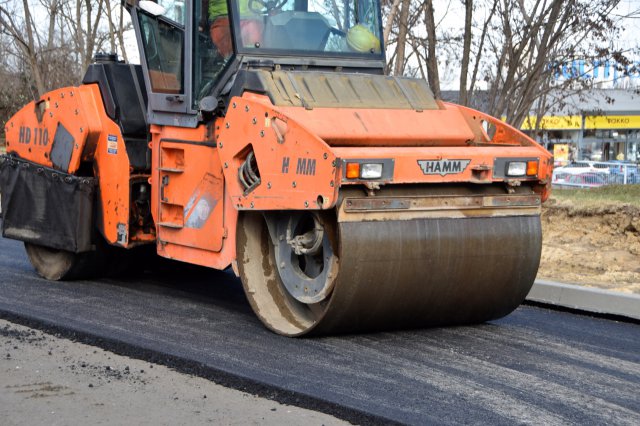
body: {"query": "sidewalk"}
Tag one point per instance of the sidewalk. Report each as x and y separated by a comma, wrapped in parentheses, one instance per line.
(585, 299)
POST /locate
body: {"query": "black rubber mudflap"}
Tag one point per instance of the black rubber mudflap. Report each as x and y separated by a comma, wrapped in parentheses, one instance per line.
(45, 206)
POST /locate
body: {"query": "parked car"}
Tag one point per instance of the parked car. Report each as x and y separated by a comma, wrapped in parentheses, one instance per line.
(579, 167)
(582, 180)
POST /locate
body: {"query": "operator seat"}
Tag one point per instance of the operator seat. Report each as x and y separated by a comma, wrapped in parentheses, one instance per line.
(124, 96)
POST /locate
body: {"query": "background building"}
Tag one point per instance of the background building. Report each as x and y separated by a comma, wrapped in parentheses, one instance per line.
(595, 124)
(598, 124)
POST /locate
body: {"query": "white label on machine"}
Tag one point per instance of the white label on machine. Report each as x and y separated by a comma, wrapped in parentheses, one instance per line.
(112, 144)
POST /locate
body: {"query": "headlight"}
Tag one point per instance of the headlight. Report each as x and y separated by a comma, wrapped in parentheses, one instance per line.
(368, 169)
(364, 170)
(371, 171)
(517, 168)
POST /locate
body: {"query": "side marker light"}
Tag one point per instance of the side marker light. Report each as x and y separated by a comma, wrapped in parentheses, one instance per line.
(353, 170)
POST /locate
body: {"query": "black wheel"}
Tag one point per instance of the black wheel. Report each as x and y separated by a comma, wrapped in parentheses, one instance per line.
(57, 265)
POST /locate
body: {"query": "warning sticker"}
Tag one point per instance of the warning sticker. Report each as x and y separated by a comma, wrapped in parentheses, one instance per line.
(112, 144)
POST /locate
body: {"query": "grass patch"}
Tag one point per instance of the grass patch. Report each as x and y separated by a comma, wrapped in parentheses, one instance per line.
(613, 195)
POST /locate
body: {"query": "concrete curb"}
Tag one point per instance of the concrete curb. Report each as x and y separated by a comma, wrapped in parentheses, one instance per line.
(585, 299)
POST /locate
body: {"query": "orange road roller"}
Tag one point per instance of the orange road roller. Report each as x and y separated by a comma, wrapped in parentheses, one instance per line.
(263, 135)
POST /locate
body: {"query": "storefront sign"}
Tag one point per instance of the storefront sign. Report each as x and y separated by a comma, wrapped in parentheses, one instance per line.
(566, 122)
(574, 122)
(612, 122)
(607, 73)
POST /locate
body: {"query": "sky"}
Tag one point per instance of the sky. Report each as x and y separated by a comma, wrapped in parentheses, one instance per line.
(450, 14)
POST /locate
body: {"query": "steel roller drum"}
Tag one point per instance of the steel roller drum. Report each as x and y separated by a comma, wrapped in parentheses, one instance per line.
(397, 274)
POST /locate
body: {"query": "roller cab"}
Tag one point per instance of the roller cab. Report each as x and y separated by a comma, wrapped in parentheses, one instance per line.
(346, 200)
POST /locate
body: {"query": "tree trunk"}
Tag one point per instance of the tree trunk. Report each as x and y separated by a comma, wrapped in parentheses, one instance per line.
(120, 34)
(466, 52)
(403, 25)
(30, 50)
(112, 28)
(389, 23)
(432, 61)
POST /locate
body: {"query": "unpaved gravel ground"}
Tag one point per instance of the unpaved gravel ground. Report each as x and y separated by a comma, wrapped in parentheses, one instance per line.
(46, 380)
(596, 246)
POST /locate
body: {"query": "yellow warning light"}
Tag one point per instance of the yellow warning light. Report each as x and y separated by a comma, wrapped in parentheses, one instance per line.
(532, 168)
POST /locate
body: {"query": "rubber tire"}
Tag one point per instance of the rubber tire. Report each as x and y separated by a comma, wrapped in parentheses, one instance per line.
(60, 265)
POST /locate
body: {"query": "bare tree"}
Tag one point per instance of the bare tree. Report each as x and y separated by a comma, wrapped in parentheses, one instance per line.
(121, 28)
(533, 37)
(23, 36)
(431, 56)
(403, 25)
(466, 51)
(46, 44)
(480, 49)
(82, 17)
(505, 47)
(390, 20)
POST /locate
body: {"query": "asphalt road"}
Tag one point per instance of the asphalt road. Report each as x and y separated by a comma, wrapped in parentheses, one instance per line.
(534, 366)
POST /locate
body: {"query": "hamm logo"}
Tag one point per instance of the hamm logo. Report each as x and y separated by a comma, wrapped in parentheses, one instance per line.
(443, 167)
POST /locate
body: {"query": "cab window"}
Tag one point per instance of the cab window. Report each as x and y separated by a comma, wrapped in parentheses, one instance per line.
(212, 46)
(162, 39)
(308, 27)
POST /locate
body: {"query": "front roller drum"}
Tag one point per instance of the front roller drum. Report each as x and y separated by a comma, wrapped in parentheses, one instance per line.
(381, 275)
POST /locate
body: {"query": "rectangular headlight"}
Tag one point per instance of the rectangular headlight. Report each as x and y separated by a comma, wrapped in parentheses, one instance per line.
(371, 171)
(516, 168)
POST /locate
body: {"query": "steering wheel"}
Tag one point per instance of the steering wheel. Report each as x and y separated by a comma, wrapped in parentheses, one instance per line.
(263, 7)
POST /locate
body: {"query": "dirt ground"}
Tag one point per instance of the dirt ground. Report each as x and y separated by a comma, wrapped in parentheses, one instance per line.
(597, 246)
(46, 380)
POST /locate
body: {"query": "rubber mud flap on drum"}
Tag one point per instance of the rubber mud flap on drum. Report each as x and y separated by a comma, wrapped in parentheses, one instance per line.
(45, 206)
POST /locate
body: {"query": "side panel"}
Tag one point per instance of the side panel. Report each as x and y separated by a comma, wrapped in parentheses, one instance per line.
(55, 130)
(112, 171)
(293, 168)
(69, 127)
(195, 218)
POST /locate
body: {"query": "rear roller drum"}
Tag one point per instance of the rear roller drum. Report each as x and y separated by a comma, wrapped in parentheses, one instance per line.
(56, 265)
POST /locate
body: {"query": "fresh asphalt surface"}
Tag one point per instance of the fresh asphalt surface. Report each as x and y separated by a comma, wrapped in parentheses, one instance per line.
(534, 366)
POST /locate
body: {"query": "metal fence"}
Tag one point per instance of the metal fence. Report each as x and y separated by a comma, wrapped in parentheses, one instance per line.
(591, 174)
